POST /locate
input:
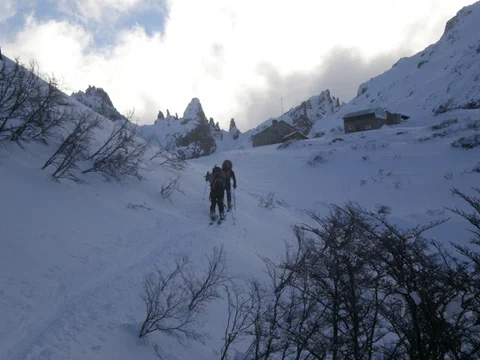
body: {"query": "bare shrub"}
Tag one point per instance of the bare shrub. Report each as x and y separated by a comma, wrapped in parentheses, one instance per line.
(467, 142)
(444, 124)
(475, 168)
(317, 159)
(268, 202)
(175, 299)
(74, 148)
(241, 303)
(30, 107)
(121, 154)
(471, 302)
(424, 138)
(285, 144)
(473, 125)
(421, 283)
(170, 187)
(139, 206)
(355, 286)
(169, 159)
(318, 134)
(448, 176)
(268, 315)
(342, 282)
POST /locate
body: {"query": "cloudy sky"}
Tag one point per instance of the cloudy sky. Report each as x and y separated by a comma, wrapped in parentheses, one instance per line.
(239, 57)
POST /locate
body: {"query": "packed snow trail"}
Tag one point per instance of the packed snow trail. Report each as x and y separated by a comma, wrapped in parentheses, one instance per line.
(80, 253)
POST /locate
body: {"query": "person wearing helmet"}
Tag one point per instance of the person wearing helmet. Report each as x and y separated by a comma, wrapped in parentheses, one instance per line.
(229, 174)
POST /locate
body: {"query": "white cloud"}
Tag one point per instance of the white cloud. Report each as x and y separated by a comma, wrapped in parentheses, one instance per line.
(215, 49)
(7, 10)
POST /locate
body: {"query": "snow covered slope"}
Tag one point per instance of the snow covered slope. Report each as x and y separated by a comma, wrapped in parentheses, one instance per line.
(73, 256)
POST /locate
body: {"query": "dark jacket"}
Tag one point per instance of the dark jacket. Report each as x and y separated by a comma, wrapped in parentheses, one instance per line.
(230, 174)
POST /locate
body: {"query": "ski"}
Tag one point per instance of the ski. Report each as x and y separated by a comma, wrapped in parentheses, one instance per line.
(217, 219)
(212, 220)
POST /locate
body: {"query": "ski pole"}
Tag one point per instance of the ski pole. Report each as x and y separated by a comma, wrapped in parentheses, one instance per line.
(205, 191)
(234, 201)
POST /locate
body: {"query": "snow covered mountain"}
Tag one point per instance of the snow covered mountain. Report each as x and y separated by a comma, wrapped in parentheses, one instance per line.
(308, 113)
(444, 76)
(191, 136)
(98, 100)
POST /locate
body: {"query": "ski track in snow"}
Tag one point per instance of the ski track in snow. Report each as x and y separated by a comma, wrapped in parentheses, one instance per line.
(95, 305)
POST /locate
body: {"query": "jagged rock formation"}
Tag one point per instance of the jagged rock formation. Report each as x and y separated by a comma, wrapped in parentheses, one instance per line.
(98, 100)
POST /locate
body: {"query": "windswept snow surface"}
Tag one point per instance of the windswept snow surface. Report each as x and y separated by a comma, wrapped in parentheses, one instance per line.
(73, 256)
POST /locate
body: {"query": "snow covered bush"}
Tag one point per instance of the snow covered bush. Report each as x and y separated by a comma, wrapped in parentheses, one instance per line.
(176, 298)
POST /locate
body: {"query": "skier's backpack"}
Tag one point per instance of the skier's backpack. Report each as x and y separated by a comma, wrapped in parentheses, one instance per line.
(217, 183)
(227, 165)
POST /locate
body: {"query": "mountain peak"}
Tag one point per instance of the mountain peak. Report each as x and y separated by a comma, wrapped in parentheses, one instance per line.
(98, 100)
(194, 111)
(461, 19)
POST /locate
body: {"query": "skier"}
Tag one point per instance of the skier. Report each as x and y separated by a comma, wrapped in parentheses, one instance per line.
(217, 186)
(229, 174)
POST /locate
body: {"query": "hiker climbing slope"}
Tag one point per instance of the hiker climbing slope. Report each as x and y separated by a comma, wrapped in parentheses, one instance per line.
(217, 186)
(229, 174)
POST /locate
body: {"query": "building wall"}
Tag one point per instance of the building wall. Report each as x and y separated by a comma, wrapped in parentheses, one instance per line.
(393, 119)
(363, 123)
(272, 135)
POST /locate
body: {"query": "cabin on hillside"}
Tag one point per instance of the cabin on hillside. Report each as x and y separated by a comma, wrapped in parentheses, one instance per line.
(370, 119)
(278, 132)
